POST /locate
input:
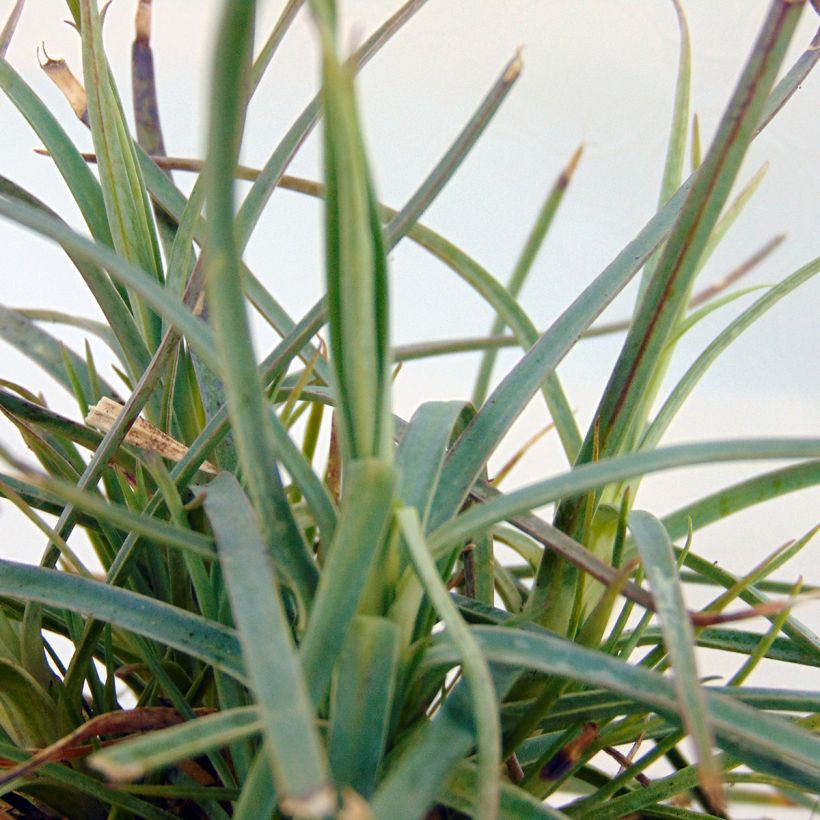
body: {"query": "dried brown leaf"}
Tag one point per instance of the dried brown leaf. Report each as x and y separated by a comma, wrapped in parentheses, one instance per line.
(72, 745)
(63, 77)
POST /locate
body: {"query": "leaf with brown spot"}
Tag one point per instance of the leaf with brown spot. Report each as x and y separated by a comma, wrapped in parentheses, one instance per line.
(128, 721)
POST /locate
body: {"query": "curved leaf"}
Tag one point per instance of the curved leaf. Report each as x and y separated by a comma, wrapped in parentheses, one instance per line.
(698, 368)
(192, 634)
(112, 303)
(43, 349)
(75, 171)
(591, 476)
(769, 743)
(135, 279)
(127, 520)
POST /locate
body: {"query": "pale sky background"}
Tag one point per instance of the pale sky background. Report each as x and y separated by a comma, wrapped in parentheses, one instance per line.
(600, 72)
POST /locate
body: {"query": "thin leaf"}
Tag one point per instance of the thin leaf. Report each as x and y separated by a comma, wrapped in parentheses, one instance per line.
(267, 51)
(768, 743)
(731, 213)
(102, 289)
(676, 145)
(275, 167)
(11, 24)
(192, 634)
(591, 476)
(512, 314)
(126, 199)
(798, 632)
(44, 350)
(696, 151)
(133, 758)
(250, 420)
(124, 519)
(535, 240)
(669, 289)
(457, 152)
(99, 329)
(737, 497)
(763, 646)
(81, 182)
(744, 643)
(473, 344)
(716, 304)
(711, 291)
(473, 665)
(790, 82)
(655, 548)
(292, 741)
(68, 555)
(516, 804)
(676, 149)
(356, 268)
(698, 368)
(137, 280)
(38, 499)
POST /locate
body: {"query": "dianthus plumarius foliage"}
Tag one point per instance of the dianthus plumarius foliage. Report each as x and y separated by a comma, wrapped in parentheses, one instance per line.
(271, 628)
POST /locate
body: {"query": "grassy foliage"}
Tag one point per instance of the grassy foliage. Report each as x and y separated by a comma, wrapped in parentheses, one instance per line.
(273, 631)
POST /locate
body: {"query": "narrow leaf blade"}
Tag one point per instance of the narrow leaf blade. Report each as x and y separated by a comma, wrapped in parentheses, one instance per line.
(655, 548)
(294, 749)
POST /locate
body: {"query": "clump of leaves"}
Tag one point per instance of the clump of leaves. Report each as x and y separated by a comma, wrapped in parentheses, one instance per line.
(280, 633)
